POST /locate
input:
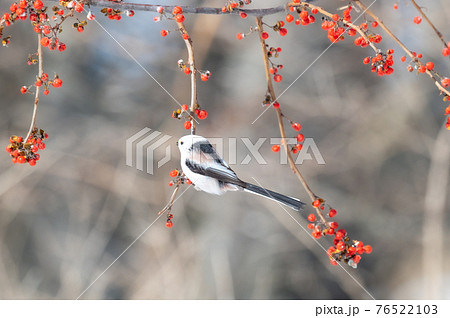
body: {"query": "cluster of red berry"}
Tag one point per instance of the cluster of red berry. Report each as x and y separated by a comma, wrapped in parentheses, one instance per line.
(231, 5)
(204, 75)
(200, 113)
(303, 16)
(300, 137)
(112, 14)
(381, 63)
(343, 249)
(44, 80)
(23, 151)
(177, 15)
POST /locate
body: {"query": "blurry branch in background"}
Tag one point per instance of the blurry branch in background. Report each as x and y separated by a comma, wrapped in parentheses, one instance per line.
(38, 89)
(434, 217)
(438, 33)
(431, 73)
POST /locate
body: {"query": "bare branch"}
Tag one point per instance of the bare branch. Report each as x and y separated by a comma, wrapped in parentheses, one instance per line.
(439, 34)
(191, 64)
(271, 91)
(38, 89)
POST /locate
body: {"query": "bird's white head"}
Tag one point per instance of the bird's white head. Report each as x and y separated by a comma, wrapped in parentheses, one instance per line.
(185, 143)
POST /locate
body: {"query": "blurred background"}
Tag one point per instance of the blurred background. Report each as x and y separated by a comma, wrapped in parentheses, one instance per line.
(64, 221)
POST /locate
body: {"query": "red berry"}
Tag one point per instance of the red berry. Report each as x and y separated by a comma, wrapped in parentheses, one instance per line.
(275, 148)
(23, 89)
(276, 105)
(46, 92)
(395, 6)
(403, 58)
(32, 162)
(187, 125)
(367, 249)
(311, 217)
(163, 33)
(57, 82)
(422, 69)
(177, 10)
(445, 82)
(310, 226)
(174, 173)
(277, 78)
(296, 126)
(264, 35)
(283, 31)
(447, 110)
(79, 7)
(333, 262)
(289, 18)
(303, 15)
(204, 77)
(430, 66)
(314, 11)
(334, 225)
(316, 203)
(80, 28)
(417, 20)
(21, 159)
(179, 18)
(243, 15)
(300, 138)
(332, 213)
(169, 224)
(184, 107)
(202, 114)
(185, 36)
(366, 60)
(22, 4)
(187, 70)
(446, 51)
(38, 5)
(340, 246)
(240, 36)
(374, 24)
(170, 183)
(335, 17)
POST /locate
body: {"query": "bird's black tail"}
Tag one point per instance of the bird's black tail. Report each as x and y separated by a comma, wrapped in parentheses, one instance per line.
(284, 199)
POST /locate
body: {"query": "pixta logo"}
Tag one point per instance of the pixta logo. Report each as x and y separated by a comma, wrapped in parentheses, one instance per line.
(147, 141)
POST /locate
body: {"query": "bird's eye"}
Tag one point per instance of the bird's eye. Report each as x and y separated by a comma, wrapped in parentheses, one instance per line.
(181, 142)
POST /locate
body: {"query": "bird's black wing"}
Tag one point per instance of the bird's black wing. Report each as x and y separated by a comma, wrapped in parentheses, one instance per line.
(220, 172)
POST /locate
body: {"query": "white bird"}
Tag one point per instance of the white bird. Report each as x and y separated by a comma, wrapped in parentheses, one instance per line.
(203, 166)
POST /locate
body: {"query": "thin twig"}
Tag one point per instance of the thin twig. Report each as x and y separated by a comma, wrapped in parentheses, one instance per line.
(439, 34)
(169, 205)
(404, 48)
(191, 64)
(271, 91)
(38, 89)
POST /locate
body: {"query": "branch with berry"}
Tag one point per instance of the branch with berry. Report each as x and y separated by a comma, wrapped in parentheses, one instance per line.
(344, 248)
(48, 24)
